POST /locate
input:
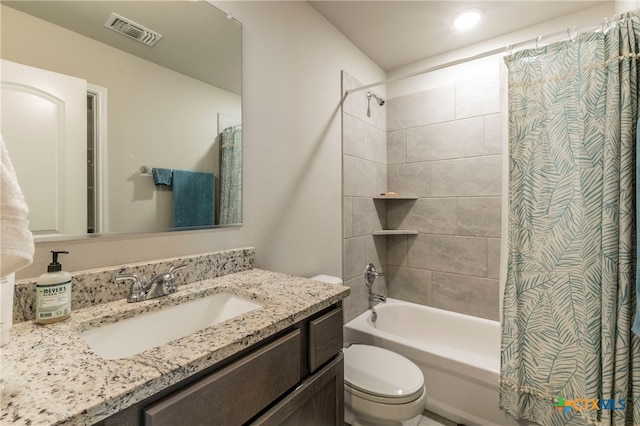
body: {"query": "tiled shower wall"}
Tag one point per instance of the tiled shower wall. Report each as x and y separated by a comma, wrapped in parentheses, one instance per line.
(364, 175)
(442, 146)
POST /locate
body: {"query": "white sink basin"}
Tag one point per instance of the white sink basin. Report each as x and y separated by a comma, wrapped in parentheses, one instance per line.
(134, 335)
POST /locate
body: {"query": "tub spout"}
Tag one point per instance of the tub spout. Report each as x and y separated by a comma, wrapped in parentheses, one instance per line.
(377, 297)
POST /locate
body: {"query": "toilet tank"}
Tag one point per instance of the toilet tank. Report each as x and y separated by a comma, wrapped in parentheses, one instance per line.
(329, 279)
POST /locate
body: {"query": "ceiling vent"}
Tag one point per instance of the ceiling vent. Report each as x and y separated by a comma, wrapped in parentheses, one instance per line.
(132, 29)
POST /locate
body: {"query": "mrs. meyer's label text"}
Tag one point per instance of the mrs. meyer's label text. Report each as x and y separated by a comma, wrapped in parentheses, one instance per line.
(55, 300)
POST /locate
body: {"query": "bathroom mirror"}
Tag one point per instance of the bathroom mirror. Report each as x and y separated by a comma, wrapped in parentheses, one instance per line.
(162, 90)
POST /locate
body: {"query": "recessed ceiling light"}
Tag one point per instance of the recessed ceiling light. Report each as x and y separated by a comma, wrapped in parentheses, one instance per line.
(467, 18)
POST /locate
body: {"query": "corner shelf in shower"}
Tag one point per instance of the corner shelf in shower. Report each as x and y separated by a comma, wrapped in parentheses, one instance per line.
(395, 197)
(395, 232)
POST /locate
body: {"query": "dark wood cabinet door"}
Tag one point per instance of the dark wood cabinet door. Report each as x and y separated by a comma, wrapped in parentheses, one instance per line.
(318, 401)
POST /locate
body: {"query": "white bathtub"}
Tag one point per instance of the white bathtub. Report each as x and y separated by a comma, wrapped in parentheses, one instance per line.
(458, 354)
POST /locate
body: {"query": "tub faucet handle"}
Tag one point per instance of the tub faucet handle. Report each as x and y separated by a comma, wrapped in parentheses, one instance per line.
(370, 275)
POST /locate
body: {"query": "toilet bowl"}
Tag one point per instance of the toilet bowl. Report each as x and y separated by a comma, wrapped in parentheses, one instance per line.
(381, 387)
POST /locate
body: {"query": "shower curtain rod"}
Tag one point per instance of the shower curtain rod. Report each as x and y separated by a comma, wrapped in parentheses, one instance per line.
(571, 33)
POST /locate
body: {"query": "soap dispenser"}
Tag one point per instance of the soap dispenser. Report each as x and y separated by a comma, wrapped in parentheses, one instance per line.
(53, 293)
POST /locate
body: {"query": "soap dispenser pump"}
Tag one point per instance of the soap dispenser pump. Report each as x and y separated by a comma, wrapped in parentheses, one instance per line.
(53, 293)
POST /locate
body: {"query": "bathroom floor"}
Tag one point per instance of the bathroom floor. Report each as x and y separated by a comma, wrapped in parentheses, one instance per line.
(428, 418)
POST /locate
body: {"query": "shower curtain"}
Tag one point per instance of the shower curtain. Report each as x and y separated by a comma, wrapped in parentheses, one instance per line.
(231, 175)
(568, 355)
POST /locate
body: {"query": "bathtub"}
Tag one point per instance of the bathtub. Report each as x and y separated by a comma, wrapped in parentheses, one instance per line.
(458, 354)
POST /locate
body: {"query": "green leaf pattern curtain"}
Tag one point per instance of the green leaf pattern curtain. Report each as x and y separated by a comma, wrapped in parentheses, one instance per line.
(570, 298)
(231, 176)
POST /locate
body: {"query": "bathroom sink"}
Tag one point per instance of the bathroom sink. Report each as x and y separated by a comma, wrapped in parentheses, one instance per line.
(137, 334)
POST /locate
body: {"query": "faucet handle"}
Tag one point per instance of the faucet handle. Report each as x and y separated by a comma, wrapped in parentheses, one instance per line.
(170, 279)
(370, 275)
(177, 267)
(137, 289)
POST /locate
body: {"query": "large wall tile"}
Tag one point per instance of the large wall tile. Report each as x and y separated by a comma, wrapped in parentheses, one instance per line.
(479, 176)
(467, 295)
(396, 147)
(376, 145)
(397, 250)
(411, 285)
(377, 179)
(355, 180)
(359, 106)
(422, 108)
(367, 216)
(426, 215)
(480, 217)
(494, 247)
(376, 253)
(347, 217)
(353, 136)
(362, 178)
(358, 300)
(493, 134)
(463, 255)
(348, 83)
(478, 96)
(354, 254)
(409, 179)
(453, 139)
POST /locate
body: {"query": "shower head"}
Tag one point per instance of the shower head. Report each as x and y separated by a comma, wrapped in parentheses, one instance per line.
(379, 100)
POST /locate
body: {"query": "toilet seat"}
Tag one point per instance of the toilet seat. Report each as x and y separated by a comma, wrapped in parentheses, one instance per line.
(384, 399)
(380, 375)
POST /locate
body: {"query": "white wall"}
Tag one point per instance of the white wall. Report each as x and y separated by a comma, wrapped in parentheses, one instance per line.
(292, 58)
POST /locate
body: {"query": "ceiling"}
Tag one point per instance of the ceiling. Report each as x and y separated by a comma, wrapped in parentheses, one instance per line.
(398, 33)
(198, 39)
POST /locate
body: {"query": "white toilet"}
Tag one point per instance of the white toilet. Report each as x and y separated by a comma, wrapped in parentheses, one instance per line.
(381, 387)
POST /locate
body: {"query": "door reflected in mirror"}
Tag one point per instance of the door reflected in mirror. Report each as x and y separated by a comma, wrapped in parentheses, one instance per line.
(110, 135)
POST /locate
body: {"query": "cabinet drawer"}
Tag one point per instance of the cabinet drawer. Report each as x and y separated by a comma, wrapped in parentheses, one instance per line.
(236, 393)
(325, 338)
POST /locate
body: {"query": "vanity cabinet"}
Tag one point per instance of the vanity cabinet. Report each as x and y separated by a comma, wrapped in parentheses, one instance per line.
(293, 378)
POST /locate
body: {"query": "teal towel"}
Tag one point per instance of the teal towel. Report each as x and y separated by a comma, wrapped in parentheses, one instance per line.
(161, 176)
(193, 198)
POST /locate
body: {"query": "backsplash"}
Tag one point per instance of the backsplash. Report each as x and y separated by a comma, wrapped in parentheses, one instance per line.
(98, 286)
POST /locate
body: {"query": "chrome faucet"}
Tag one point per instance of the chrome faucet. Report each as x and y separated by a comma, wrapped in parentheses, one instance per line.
(160, 285)
(370, 275)
(377, 297)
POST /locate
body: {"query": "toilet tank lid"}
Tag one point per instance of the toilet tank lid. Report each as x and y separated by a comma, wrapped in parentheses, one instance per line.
(327, 279)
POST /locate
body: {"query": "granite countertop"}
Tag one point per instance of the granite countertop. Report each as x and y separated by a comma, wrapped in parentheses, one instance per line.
(51, 375)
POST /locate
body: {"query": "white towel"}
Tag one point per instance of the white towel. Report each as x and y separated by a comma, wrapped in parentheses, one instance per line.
(16, 241)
